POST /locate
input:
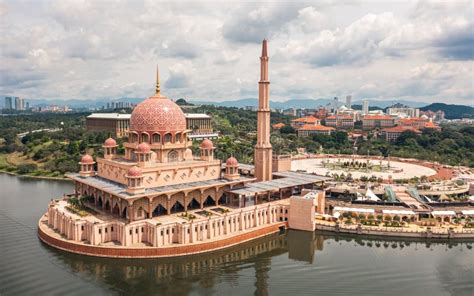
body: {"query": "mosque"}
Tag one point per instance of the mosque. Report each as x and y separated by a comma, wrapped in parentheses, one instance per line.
(158, 196)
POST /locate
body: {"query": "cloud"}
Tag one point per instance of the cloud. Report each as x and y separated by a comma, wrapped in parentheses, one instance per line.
(179, 76)
(87, 49)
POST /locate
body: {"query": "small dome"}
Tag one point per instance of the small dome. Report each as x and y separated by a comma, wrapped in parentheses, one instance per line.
(87, 159)
(134, 172)
(110, 142)
(206, 144)
(143, 148)
(231, 161)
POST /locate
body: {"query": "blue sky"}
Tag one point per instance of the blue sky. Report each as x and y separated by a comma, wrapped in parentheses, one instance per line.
(421, 51)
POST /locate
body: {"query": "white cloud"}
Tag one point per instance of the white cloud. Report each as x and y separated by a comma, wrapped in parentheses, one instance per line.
(209, 51)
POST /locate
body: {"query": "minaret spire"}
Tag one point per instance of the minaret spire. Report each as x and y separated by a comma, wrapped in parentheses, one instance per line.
(157, 88)
(263, 148)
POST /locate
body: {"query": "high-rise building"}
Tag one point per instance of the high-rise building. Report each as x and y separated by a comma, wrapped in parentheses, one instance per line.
(365, 107)
(349, 101)
(335, 104)
(8, 103)
(263, 148)
(19, 103)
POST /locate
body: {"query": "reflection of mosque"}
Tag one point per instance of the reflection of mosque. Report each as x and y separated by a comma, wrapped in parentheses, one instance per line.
(204, 270)
(183, 275)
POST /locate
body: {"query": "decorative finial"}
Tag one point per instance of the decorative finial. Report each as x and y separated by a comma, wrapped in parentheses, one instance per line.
(264, 48)
(157, 88)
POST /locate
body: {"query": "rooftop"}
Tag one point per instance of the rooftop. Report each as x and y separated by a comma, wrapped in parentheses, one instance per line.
(287, 179)
(109, 116)
(120, 189)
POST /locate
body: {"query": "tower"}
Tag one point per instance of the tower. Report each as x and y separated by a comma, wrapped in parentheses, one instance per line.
(349, 101)
(263, 148)
(365, 107)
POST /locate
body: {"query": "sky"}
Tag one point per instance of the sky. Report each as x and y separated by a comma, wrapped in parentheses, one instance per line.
(383, 50)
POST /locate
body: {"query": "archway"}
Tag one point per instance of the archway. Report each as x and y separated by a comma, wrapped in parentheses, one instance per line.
(124, 212)
(159, 211)
(116, 210)
(223, 200)
(193, 204)
(107, 205)
(446, 219)
(99, 202)
(177, 207)
(209, 202)
(404, 218)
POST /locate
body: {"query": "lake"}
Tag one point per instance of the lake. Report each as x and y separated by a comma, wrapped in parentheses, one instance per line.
(293, 263)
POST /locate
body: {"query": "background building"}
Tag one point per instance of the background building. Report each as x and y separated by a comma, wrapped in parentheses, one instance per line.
(349, 102)
(8, 103)
(117, 124)
(365, 107)
(375, 121)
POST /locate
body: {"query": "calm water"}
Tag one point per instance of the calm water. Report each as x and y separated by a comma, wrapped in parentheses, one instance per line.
(296, 263)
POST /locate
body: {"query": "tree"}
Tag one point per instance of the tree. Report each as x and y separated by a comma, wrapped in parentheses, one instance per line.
(287, 130)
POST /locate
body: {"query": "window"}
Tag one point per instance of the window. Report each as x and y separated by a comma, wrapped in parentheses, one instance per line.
(130, 232)
(142, 229)
(136, 230)
(188, 231)
(82, 227)
(111, 229)
(172, 230)
(100, 231)
(105, 229)
(162, 233)
(167, 231)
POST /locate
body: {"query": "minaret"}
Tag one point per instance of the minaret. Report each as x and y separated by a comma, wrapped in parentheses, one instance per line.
(157, 86)
(263, 149)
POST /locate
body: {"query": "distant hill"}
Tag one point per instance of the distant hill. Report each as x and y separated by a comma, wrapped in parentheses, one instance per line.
(451, 111)
(305, 103)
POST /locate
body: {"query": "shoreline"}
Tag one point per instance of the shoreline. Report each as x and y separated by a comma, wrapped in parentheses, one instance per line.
(35, 177)
(400, 233)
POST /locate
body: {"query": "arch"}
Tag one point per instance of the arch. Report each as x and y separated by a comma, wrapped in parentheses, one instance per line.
(159, 211)
(133, 137)
(167, 138)
(124, 213)
(224, 199)
(173, 156)
(209, 201)
(156, 138)
(116, 209)
(446, 219)
(404, 218)
(145, 137)
(177, 207)
(107, 205)
(100, 203)
(177, 137)
(194, 204)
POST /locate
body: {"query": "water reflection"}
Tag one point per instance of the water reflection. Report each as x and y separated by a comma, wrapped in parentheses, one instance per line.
(203, 273)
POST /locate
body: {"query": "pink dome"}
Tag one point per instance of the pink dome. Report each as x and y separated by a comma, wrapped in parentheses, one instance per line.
(134, 172)
(87, 159)
(231, 161)
(157, 114)
(110, 142)
(206, 144)
(143, 148)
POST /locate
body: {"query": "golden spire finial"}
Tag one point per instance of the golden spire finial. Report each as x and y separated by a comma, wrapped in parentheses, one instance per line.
(157, 88)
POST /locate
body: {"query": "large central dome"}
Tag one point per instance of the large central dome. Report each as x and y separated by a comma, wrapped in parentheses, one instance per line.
(157, 114)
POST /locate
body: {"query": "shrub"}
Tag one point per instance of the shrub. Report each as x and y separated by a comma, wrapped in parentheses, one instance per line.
(27, 168)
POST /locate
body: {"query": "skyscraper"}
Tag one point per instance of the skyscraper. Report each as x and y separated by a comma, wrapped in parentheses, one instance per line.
(365, 107)
(349, 101)
(8, 103)
(335, 104)
(263, 148)
(19, 103)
